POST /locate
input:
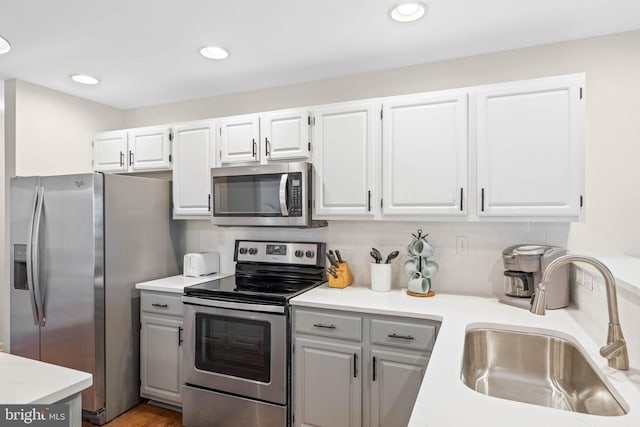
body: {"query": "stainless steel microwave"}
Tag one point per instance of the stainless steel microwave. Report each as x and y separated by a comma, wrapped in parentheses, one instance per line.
(277, 195)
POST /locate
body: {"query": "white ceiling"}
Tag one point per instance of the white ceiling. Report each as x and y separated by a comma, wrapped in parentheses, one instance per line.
(146, 51)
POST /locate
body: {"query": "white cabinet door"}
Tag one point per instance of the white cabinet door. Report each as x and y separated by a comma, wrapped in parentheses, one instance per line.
(328, 384)
(424, 155)
(149, 149)
(161, 358)
(110, 151)
(285, 135)
(530, 138)
(192, 170)
(346, 161)
(238, 139)
(394, 384)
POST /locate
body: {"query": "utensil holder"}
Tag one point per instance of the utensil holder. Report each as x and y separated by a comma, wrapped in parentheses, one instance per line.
(344, 279)
(381, 277)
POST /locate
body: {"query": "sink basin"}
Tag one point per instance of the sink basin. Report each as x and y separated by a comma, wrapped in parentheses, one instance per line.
(533, 368)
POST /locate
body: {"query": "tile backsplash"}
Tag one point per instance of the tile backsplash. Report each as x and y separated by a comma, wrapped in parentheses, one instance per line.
(469, 254)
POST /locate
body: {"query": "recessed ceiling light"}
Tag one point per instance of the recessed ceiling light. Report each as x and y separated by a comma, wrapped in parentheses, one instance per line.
(84, 79)
(213, 52)
(5, 46)
(408, 12)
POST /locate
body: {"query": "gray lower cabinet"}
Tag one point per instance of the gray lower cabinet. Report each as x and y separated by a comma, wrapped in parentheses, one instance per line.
(328, 384)
(395, 380)
(353, 369)
(161, 347)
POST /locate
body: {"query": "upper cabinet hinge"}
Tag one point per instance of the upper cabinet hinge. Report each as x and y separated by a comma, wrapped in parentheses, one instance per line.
(580, 93)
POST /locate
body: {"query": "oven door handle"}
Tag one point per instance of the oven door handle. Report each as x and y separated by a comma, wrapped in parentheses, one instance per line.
(232, 304)
(283, 194)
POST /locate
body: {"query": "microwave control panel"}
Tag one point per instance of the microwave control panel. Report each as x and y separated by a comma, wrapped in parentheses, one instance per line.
(295, 194)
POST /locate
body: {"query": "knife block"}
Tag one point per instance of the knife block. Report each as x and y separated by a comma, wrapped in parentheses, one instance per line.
(344, 279)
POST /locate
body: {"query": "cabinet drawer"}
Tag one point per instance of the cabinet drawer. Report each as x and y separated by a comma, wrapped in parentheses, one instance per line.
(329, 325)
(399, 334)
(159, 302)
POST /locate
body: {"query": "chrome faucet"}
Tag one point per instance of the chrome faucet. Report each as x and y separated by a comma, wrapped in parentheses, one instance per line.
(615, 351)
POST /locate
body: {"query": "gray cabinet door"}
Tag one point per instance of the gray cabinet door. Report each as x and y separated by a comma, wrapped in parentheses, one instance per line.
(160, 358)
(395, 379)
(328, 385)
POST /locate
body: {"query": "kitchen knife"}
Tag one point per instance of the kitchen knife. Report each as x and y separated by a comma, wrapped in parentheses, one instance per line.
(339, 256)
(332, 259)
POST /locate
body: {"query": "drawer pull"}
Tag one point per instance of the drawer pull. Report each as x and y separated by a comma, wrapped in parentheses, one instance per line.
(155, 304)
(320, 325)
(404, 337)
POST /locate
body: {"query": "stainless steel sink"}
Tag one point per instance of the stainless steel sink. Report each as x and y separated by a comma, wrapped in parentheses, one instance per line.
(537, 369)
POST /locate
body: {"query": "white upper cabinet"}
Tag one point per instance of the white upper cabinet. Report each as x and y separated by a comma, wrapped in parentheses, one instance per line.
(149, 149)
(285, 135)
(110, 151)
(133, 150)
(346, 161)
(424, 155)
(238, 139)
(192, 170)
(530, 139)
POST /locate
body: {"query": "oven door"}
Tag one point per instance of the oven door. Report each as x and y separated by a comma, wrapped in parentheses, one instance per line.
(235, 351)
(275, 195)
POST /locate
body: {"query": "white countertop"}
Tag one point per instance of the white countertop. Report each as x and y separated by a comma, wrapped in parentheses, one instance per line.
(443, 400)
(26, 381)
(176, 284)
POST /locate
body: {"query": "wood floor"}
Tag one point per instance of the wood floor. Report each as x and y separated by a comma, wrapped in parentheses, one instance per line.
(144, 415)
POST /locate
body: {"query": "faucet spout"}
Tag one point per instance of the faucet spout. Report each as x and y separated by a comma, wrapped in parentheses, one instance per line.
(615, 351)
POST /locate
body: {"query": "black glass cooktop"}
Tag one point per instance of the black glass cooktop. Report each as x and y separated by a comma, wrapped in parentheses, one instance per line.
(235, 288)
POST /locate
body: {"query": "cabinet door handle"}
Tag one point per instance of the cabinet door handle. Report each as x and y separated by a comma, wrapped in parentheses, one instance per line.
(155, 304)
(482, 199)
(369, 201)
(403, 337)
(121, 159)
(355, 365)
(374, 368)
(461, 198)
(209, 202)
(267, 147)
(320, 325)
(180, 336)
(130, 158)
(253, 148)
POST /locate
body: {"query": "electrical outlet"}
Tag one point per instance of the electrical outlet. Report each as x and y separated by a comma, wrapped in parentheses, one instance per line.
(462, 245)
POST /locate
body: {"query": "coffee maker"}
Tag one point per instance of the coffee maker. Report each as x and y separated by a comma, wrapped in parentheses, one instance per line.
(524, 266)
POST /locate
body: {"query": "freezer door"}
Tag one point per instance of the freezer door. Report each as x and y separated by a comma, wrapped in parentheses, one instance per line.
(69, 255)
(24, 336)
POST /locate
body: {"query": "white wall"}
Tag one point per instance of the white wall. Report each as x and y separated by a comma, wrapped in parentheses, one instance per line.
(54, 130)
(612, 66)
(46, 133)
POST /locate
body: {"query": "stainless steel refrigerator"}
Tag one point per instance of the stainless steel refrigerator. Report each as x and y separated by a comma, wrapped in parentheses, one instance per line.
(79, 243)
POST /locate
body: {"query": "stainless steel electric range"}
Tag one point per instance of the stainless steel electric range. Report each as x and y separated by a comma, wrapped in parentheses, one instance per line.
(237, 362)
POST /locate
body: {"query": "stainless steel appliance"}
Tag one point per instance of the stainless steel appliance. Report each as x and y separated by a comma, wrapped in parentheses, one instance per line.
(265, 195)
(524, 265)
(237, 336)
(79, 243)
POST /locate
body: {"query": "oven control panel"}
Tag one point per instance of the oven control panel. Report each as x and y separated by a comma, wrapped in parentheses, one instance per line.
(301, 253)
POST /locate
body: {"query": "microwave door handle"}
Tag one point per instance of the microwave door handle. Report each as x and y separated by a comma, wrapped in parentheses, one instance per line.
(283, 194)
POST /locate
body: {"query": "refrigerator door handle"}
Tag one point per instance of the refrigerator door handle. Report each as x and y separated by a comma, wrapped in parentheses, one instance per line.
(39, 296)
(34, 307)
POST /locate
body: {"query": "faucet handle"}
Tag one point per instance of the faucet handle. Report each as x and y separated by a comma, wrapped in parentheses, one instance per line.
(539, 303)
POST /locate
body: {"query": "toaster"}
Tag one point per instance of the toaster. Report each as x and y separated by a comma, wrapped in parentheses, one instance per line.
(201, 264)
